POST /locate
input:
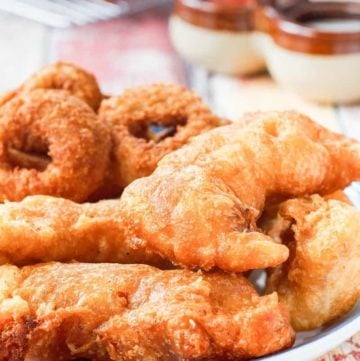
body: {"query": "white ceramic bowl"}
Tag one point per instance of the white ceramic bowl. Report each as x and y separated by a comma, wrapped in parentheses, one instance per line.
(318, 59)
(229, 52)
(323, 78)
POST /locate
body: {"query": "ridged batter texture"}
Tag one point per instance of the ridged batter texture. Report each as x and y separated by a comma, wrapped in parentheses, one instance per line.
(106, 312)
(67, 77)
(51, 143)
(136, 151)
(321, 279)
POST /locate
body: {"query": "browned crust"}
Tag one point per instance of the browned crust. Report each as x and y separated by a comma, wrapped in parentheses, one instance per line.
(115, 312)
(68, 77)
(129, 115)
(14, 338)
(61, 129)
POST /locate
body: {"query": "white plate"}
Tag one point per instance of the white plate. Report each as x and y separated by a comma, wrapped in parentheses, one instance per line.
(312, 344)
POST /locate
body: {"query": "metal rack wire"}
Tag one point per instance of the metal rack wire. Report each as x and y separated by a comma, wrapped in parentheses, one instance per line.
(65, 13)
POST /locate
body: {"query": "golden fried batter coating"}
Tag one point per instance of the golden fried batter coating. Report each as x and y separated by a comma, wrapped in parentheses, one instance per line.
(321, 279)
(135, 151)
(66, 76)
(200, 207)
(115, 312)
(6, 96)
(51, 143)
(46, 228)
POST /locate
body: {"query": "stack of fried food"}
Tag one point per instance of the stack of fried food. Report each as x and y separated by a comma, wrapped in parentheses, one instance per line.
(204, 209)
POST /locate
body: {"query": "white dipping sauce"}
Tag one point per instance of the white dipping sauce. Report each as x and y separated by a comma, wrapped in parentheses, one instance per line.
(335, 25)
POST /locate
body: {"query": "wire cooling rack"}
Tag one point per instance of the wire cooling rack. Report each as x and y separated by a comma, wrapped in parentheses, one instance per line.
(65, 13)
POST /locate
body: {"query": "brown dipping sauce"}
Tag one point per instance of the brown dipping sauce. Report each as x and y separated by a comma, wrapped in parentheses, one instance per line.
(297, 27)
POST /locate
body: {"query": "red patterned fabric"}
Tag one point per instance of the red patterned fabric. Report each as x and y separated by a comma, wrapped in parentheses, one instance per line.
(347, 351)
(122, 52)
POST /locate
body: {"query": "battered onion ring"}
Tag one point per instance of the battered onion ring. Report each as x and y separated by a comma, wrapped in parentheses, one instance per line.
(135, 151)
(68, 77)
(51, 143)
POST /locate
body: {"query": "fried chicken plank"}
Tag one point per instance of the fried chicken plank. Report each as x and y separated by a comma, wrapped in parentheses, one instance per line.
(321, 279)
(135, 312)
(200, 206)
(46, 228)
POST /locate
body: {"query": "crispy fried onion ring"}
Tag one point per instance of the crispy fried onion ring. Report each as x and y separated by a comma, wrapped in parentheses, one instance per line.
(51, 143)
(62, 76)
(137, 146)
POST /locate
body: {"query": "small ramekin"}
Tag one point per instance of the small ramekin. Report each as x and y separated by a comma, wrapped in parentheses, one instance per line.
(221, 38)
(316, 63)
